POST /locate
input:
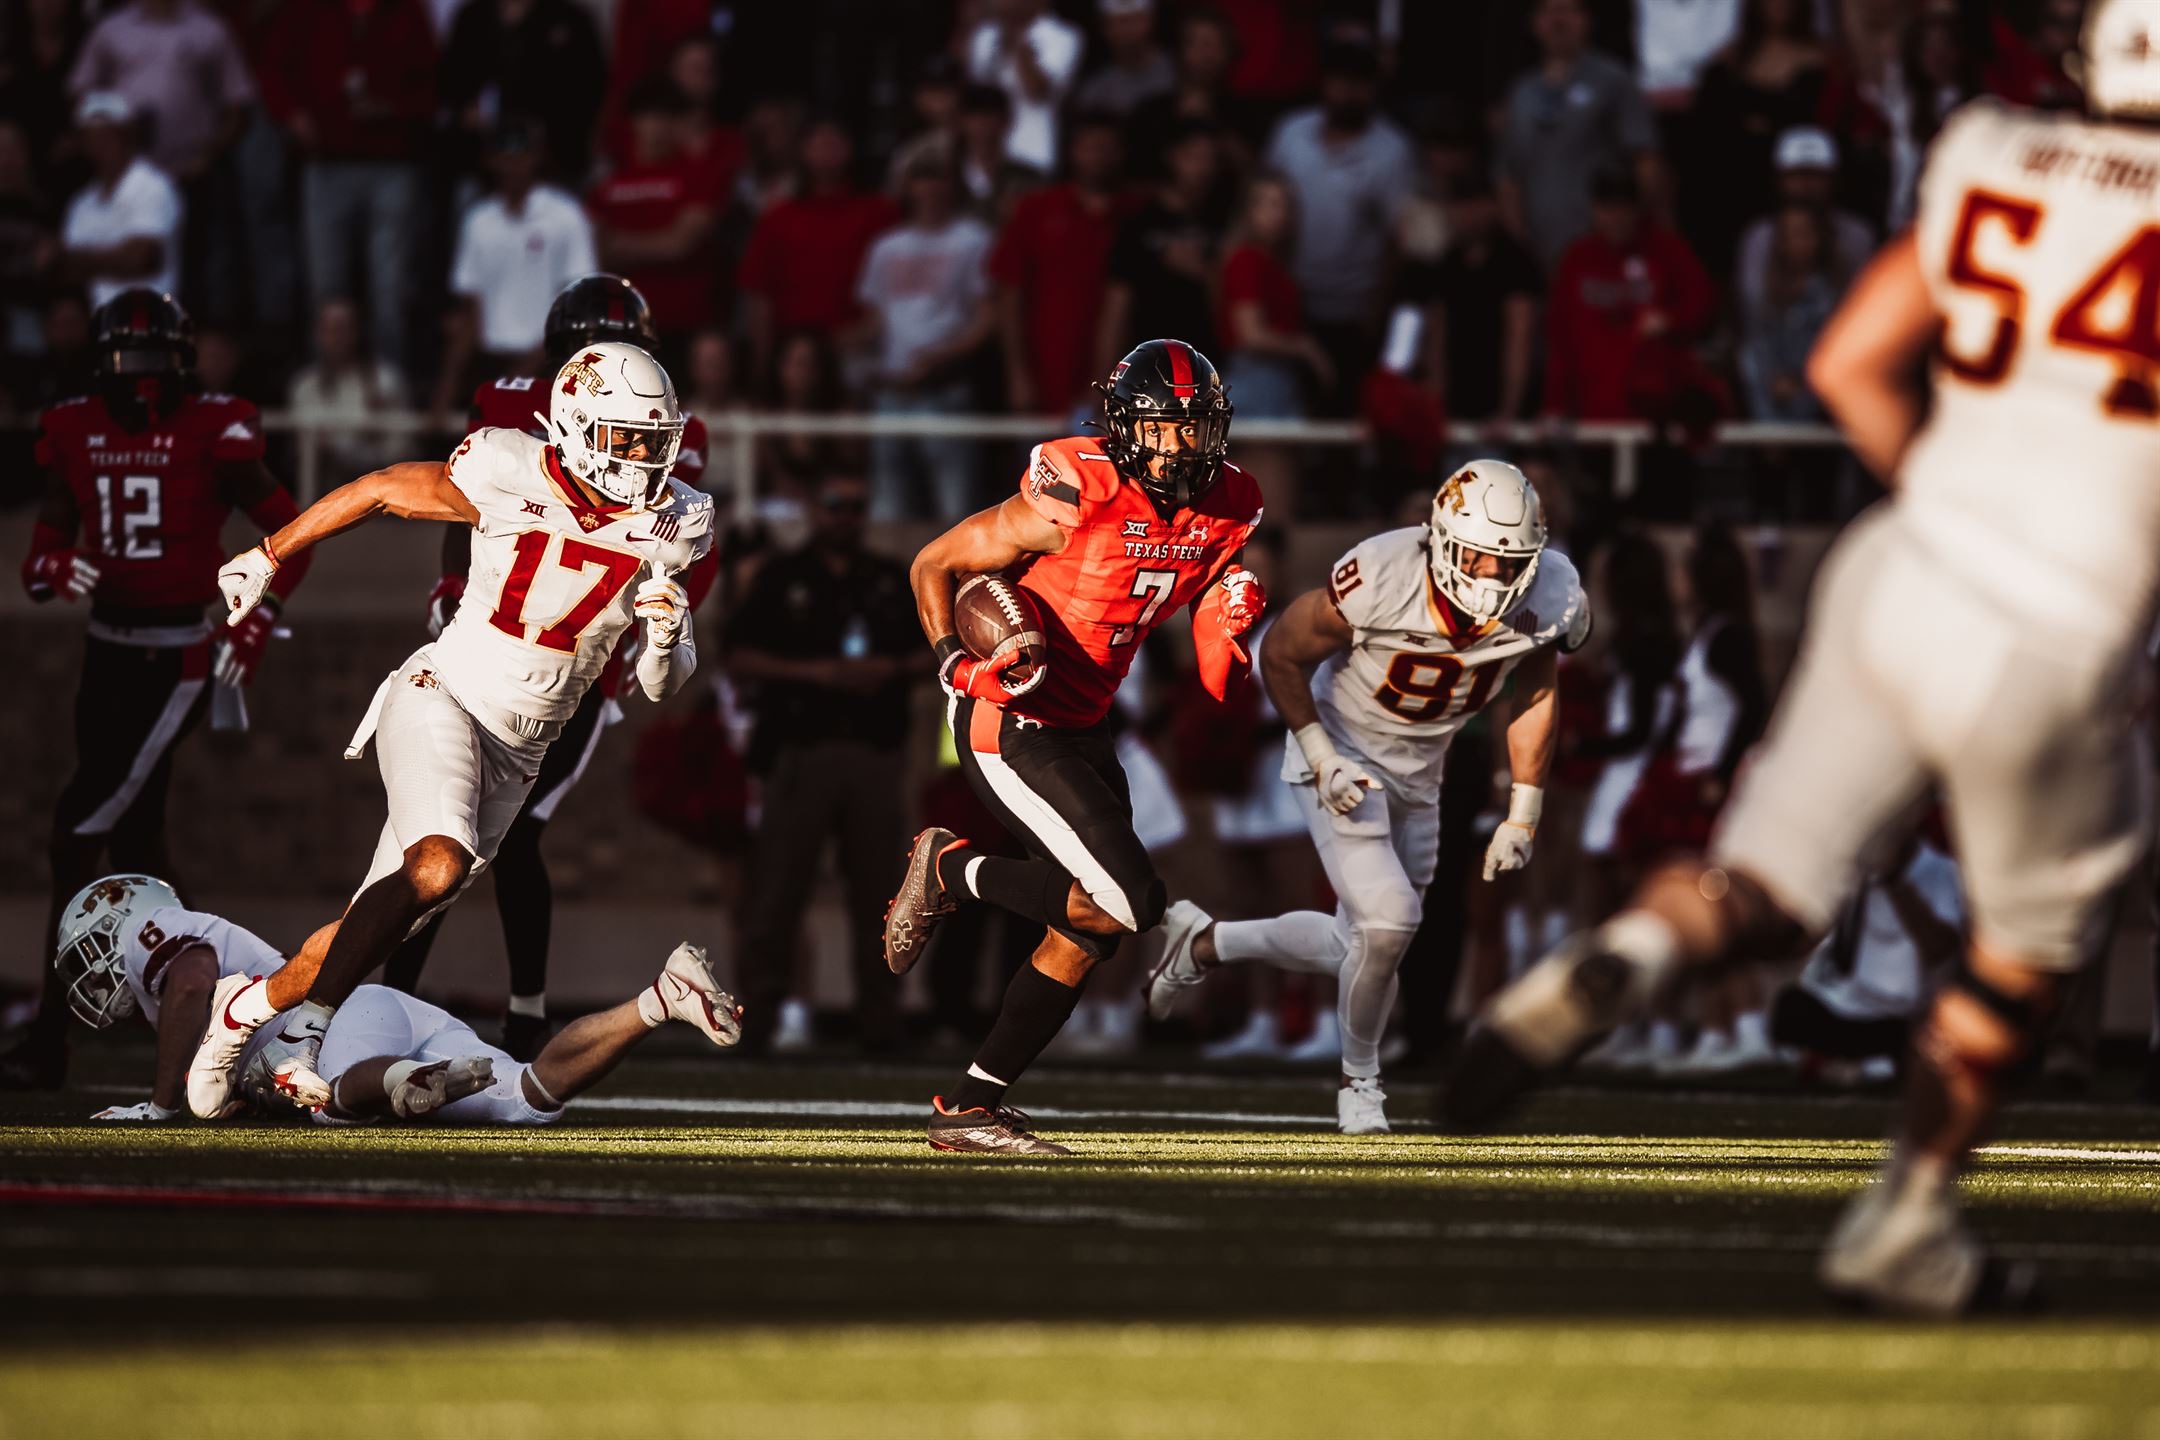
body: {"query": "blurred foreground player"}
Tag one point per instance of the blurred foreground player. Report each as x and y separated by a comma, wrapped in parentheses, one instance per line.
(127, 946)
(139, 478)
(1374, 674)
(589, 310)
(1111, 536)
(1981, 632)
(562, 531)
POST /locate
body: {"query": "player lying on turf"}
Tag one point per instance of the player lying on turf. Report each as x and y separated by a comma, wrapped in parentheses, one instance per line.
(126, 946)
(560, 530)
(1111, 537)
(1374, 674)
(1981, 633)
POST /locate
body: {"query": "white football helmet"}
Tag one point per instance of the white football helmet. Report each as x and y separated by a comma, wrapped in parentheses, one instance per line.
(2119, 58)
(1486, 508)
(88, 957)
(615, 422)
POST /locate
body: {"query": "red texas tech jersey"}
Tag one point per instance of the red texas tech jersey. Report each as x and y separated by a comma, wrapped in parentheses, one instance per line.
(513, 403)
(149, 500)
(1124, 570)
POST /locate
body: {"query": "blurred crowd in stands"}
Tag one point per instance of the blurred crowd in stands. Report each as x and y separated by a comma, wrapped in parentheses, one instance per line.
(1427, 216)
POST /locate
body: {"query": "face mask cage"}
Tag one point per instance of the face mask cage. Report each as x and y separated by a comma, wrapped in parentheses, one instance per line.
(90, 967)
(1482, 598)
(611, 470)
(1184, 475)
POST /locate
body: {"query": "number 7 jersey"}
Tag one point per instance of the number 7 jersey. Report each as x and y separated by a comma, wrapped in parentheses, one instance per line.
(552, 577)
(2036, 478)
(1417, 669)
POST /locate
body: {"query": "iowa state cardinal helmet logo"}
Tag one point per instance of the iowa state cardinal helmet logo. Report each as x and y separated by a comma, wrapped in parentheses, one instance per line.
(580, 371)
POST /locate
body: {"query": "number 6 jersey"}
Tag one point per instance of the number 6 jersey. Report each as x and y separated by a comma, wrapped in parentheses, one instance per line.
(1417, 669)
(552, 576)
(2036, 479)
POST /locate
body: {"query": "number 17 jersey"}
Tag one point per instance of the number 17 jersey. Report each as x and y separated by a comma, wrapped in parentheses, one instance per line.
(552, 577)
(1417, 669)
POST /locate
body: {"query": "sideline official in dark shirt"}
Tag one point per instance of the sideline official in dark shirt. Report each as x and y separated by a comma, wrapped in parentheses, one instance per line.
(827, 640)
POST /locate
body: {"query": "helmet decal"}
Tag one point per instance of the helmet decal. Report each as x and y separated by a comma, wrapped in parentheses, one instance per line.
(581, 372)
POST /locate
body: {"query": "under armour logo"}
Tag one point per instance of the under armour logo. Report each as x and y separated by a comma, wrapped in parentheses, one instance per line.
(1197, 534)
(1136, 529)
(534, 507)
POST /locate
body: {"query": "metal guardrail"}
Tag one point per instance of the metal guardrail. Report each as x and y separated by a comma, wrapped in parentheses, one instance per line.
(740, 431)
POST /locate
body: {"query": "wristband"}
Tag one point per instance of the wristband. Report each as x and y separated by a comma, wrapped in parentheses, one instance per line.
(1525, 804)
(269, 554)
(949, 652)
(1313, 740)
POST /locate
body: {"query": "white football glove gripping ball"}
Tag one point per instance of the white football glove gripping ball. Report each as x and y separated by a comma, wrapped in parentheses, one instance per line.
(243, 580)
(664, 606)
(1341, 782)
(1511, 842)
(149, 1112)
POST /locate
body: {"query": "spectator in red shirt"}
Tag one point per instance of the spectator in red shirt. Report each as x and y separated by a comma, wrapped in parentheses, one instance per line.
(353, 83)
(798, 271)
(1050, 267)
(1626, 300)
(714, 147)
(1270, 359)
(655, 218)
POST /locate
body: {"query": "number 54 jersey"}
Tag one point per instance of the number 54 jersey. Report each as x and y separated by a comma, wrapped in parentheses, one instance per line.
(552, 577)
(2034, 479)
(1417, 669)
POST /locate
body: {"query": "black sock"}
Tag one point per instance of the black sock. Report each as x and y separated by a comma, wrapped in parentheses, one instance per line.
(1036, 1008)
(1032, 889)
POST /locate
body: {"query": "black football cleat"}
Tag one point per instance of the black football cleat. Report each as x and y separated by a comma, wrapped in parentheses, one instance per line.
(1002, 1131)
(524, 1036)
(912, 916)
(1561, 1007)
(34, 1064)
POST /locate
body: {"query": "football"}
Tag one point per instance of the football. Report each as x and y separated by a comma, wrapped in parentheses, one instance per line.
(997, 620)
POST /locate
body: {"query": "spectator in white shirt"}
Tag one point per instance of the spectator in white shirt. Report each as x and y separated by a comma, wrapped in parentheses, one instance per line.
(1032, 56)
(123, 228)
(345, 388)
(926, 307)
(517, 249)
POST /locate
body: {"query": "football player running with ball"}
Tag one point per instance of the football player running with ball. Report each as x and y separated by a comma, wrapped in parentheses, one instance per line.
(1980, 633)
(1374, 675)
(573, 539)
(128, 947)
(1111, 536)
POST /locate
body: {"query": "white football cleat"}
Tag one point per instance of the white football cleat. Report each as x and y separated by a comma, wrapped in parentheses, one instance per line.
(1177, 971)
(431, 1087)
(1902, 1251)
(687, 991)
(213, 1075)
(1361, 1106)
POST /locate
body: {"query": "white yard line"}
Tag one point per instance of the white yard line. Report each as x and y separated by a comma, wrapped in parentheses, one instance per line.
(911, 1110)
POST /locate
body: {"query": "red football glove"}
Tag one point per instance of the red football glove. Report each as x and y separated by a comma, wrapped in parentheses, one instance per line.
(1243, 601)
(240, 648)
(69, 574)
(442, 603)
(962, 674)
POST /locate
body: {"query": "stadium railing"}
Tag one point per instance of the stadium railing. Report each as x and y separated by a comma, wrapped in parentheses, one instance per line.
(740, 431)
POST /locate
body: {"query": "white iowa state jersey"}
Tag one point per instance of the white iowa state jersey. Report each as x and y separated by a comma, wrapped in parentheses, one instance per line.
(1411, 678)
(552, 578)
(153, 941)
(2037, 476)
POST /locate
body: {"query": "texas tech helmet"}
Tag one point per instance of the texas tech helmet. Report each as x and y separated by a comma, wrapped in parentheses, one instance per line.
(1167, 380)
(143, 332)
(593, 309)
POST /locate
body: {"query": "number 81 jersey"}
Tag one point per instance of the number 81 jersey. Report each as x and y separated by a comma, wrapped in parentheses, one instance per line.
(552, 577)
(1417, 669)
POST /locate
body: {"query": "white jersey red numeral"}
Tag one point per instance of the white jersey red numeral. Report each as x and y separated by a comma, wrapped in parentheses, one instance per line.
(617, 568)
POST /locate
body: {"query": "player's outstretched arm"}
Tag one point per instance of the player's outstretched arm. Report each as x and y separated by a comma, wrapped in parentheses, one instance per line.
(1866, 368)
(412, 490)
(988, 540)
(1533, 733)
(1309, 632)
(183, 1011)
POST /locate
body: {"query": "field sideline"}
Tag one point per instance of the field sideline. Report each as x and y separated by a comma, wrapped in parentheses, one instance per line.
(771, 1249)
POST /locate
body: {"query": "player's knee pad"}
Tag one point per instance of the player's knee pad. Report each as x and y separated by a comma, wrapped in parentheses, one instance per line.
(1377, 947)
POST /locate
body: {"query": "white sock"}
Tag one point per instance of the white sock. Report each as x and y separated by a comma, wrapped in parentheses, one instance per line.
(314, 1015)
(252, 1007)
(536, 1094)
(1304, 940)
(651, 1007)
(981, 1074)
(533, 1007)
(1650, 945)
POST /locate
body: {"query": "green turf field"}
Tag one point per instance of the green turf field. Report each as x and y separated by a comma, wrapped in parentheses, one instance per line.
(718, 1249)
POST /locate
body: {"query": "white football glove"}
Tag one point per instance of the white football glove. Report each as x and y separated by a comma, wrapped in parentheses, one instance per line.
(1510, 847)
(1342, 783)
(664, 606)
(244, 579)
(149, 1112)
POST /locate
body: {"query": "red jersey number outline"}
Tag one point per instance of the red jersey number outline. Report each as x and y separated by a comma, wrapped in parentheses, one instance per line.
(120, 530)
(1414, 698)
(616, 569)
(1156, 586)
